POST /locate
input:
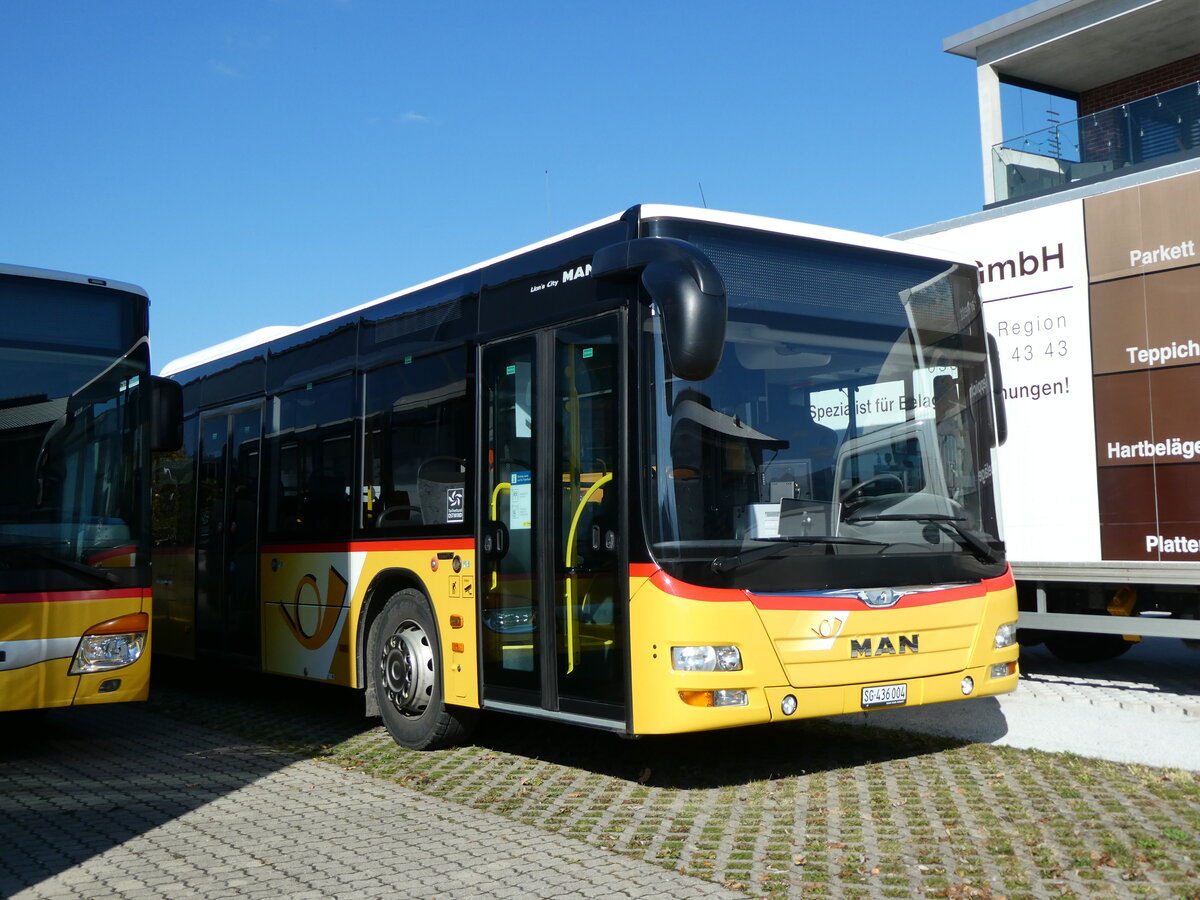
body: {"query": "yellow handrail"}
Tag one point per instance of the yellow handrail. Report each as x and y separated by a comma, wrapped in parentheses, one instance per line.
(568, 587)
(502, 486)
(494, 510)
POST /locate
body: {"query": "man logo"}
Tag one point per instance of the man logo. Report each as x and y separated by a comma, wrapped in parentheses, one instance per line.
(881, 599)
(909, 643)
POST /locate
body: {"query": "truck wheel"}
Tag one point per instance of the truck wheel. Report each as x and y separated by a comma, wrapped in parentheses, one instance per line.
(405, 669)
(1086, 648)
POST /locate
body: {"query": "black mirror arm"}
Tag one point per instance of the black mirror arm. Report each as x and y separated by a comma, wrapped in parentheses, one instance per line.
(997, 391)
(166, 414)
(689, 293)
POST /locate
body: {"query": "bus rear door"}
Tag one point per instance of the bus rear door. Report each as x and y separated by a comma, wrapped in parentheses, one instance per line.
(227, 534)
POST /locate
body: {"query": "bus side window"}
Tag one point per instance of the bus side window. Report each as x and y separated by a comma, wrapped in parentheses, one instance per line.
(417, 433)
(310, 448)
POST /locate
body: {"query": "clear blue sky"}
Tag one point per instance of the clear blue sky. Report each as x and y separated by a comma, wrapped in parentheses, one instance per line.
(261, 162)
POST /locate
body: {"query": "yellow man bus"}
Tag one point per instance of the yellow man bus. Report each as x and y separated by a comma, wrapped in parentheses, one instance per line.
(675, 470)
(77, 424)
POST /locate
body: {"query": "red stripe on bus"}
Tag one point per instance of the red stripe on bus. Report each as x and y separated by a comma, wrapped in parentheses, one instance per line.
(800, 601)
(921, 598)
(115, 552)
(75, 596)
(457, 544)
(676, 588)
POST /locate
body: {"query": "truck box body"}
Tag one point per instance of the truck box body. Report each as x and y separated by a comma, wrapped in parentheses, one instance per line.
(1094, 301)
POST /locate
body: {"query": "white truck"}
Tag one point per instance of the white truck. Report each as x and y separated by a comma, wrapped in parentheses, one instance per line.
(1095, 305)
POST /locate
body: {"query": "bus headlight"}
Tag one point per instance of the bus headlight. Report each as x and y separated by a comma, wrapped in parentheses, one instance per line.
(706, 659)
(1006, 636)
(111, 645)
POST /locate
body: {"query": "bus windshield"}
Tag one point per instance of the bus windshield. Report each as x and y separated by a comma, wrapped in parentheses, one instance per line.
(73, 373)
(849, 421)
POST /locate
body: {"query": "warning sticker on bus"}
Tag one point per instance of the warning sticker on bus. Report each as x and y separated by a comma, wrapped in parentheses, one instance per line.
(454, 504)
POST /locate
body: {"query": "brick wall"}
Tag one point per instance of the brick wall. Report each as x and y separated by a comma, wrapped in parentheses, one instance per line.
(1146, 84)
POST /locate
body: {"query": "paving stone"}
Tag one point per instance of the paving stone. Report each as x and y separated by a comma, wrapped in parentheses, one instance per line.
(124, 802)
(242, 848)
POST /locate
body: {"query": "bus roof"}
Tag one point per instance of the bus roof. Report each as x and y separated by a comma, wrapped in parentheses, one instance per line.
(798, 229)
(53, 275)
(643, 212)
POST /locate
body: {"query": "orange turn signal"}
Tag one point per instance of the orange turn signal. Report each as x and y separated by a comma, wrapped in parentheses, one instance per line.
(130, 624)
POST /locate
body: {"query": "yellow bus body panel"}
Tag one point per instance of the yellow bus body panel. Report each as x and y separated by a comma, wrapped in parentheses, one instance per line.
(312, 602)
(811, 653)
(60, 623)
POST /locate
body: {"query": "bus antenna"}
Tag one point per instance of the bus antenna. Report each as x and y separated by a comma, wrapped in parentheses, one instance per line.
(702, 200)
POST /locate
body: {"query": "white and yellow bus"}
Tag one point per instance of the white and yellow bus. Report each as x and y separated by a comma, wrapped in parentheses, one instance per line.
(675, 470)
(79, 415)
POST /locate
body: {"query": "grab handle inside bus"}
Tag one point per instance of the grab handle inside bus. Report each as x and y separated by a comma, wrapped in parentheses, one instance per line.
(688, 291)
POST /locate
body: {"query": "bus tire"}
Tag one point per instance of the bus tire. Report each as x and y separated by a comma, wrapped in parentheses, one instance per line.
(405, 669)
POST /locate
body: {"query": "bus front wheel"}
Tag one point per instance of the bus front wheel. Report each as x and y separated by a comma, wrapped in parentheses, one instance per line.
(406, 673)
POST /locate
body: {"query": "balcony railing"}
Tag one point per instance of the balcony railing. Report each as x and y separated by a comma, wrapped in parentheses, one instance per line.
(1144, 133)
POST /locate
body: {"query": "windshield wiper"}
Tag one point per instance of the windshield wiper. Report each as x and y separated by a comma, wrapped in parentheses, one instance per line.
(950, 525)
(729, 563)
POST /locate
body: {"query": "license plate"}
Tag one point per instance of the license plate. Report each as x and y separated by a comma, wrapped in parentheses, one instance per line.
(885, 695)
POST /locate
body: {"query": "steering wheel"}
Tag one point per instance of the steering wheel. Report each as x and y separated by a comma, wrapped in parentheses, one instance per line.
(857, 492)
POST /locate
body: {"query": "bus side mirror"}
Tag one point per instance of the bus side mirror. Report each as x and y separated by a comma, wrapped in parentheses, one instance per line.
(688, 291)
(997, 392)
(166, 414)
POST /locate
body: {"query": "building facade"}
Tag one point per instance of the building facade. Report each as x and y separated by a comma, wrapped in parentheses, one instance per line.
(1088, 248)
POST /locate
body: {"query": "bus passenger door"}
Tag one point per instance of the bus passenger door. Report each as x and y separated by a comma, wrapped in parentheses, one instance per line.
(552, 542)
(227, 534)
(507, 588)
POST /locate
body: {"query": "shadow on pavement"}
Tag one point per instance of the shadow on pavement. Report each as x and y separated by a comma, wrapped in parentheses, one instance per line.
(308, 717)
(289, 713)
(1151, 666)
(707, 759)
(76, 782)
